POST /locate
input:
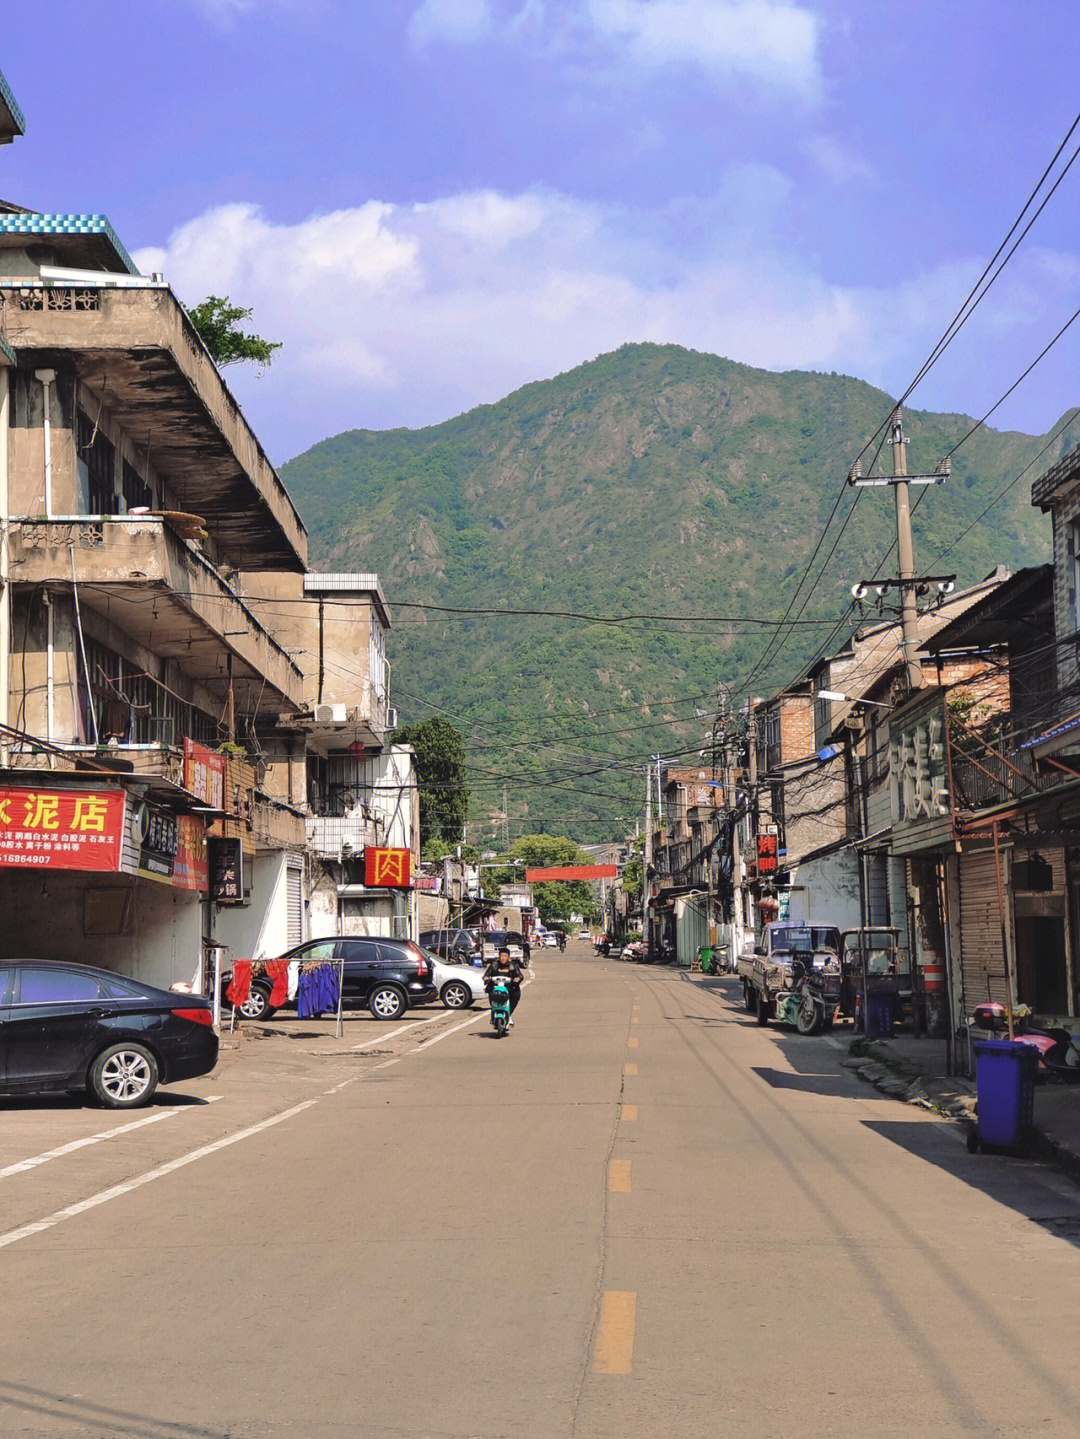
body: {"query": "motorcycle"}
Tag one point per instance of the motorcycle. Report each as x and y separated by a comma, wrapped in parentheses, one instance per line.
(1058, 1050)
(499, 997)
(810, 1002)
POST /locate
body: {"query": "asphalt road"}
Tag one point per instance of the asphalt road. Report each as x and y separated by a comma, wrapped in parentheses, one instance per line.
(637, 1215)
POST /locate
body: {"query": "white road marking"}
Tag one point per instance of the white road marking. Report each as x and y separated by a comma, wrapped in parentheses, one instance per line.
(370, 1043)
(38, 1226)
(70, 1148)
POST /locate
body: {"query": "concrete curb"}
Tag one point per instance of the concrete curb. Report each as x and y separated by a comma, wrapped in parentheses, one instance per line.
(954, 1100)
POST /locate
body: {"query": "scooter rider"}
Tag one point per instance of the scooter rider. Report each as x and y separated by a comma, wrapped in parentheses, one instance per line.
(510, 970)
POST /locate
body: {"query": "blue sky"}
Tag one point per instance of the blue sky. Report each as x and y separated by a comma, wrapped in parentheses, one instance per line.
(432, 202)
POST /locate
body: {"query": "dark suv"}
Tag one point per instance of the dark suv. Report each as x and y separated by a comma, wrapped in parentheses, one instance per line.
(388, 975)
(455, 945)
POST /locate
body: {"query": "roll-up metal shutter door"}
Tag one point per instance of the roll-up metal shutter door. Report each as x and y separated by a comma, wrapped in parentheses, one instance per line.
(896, 884)
(982, 961)
(294, 903)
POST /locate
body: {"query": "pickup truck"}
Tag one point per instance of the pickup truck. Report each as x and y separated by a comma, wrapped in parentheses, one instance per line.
(768, 972)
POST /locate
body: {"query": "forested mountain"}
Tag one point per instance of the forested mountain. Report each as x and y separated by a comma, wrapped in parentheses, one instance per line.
(653, 481)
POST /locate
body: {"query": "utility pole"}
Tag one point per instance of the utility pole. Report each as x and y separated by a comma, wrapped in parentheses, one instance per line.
(646, 861)
(907, 582)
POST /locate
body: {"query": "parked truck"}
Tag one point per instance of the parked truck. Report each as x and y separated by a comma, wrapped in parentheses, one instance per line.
(793, 975)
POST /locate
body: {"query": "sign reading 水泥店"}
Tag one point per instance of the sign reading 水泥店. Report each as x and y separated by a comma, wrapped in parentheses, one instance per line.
(61, 829)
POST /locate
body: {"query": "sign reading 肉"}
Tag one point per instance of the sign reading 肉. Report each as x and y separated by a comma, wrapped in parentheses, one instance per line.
(387, 868)
(573, 871)
(61, 829)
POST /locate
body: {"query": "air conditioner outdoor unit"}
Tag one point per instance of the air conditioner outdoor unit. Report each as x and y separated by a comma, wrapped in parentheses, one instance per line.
(330, 714)
(391, 717)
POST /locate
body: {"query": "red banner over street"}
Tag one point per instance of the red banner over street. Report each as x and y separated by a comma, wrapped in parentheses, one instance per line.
(61, 829)
(574, 871)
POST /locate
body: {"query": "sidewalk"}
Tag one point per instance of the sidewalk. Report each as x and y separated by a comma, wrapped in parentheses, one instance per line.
(912, 1070)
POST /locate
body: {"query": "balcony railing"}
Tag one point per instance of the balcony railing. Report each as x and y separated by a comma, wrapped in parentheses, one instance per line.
(336, 835)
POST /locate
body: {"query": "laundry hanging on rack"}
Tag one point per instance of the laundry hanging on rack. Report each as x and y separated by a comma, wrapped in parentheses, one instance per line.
(277, 970)
(294, 978)
(240, 987)
(318, 990)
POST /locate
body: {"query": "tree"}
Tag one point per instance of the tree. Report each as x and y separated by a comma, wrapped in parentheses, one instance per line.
(556, 898)
(218, 323)
(440, 771)
(631, 875)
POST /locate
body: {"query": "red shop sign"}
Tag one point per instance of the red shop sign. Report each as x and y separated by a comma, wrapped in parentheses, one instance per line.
(204, 774)
(61, 829)
(191, 868)
(766, 852)
(387, 868)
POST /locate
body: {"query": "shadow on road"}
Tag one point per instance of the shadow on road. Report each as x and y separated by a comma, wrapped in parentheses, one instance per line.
(811, 1082)
(1004, 1177)
(91, 1418)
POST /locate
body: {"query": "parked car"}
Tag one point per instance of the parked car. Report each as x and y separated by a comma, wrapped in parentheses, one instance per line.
(457, 985)
(73, 1027)
(388, 975)
(496, 939)
(456, 945)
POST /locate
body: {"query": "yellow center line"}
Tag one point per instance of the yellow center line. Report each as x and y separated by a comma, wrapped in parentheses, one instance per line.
(629, 1112)
(631, 1043)
(614, 1349)
(629, 1069)
(618, 1178)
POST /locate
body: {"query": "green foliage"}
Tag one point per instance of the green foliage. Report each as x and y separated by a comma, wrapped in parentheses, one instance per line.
(632, 871)
(651, 480)
(218, 323)
(440, 769)
(555, 898)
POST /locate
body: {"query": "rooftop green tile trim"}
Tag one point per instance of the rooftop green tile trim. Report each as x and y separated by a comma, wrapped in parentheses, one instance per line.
(68, 225)
(8, 99)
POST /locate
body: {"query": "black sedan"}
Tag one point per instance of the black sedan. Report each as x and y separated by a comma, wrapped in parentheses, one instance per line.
(71, 1027)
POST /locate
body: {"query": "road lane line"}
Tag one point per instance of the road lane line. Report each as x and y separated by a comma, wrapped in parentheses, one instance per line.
(629, 1113)
(25, 1164)
(629, 1069)
(618, 1180)
(631, 1043)
(613, 1352)
(635, 1019)
(70, 1148)
(412, 1024)
(116, 1191)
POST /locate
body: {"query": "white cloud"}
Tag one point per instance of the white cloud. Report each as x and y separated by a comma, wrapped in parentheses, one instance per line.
(838, 163)
(459, 21)
(772, 41)
(394, 314)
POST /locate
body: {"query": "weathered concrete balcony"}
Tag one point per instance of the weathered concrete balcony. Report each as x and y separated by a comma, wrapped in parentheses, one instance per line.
(361, 720)
(335, 835)
(134, 346)
(165, 593)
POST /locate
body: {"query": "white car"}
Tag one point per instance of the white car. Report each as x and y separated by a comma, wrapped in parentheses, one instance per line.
(551, 941)
(458, 984)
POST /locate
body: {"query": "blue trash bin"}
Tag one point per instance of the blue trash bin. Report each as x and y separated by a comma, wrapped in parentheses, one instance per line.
(880, 1014)
(1005, 1091)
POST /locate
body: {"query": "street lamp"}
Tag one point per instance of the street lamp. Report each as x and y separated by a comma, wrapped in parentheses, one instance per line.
(847, 699)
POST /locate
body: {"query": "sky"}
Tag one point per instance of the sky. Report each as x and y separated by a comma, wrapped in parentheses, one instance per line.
(432, 202)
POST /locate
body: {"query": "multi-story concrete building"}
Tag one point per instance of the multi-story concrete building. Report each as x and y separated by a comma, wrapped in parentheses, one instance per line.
(180, 699)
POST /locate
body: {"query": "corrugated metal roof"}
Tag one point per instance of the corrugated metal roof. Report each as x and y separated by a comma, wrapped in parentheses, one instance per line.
(1065, 727)
(341, 582)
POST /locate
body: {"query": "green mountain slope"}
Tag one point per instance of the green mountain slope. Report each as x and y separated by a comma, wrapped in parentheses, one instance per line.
(651, 480)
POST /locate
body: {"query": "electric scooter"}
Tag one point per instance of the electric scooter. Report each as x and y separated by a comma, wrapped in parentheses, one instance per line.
(499, 995)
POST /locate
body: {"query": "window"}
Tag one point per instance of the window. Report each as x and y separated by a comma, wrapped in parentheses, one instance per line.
(822, 722)
(136, 490)
(98, 457)
(57, 986)
(136, 707)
